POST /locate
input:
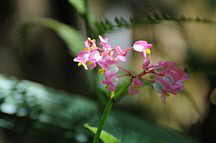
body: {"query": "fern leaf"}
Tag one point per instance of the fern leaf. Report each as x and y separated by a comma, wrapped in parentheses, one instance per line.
(105, 26)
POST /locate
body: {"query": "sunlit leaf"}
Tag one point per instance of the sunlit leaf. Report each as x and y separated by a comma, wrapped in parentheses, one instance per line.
(105, 136)
(79, 5)
(82, 8)
(22, 97)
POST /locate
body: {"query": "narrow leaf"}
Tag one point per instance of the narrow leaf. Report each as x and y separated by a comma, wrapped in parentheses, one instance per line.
(151, 18)
(105, 137)
(79, 5)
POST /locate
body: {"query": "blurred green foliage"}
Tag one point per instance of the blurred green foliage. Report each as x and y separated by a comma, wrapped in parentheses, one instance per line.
(79, 5)
(33, 109)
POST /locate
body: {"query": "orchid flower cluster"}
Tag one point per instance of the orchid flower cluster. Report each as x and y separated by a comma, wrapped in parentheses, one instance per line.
(167, 77)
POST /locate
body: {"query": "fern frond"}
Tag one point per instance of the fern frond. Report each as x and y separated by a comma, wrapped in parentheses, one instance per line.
(106, 25)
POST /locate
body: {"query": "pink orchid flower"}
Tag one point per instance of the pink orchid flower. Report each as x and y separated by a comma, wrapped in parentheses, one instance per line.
(104, 44)
(133, 88)
(121, 54)
(89, 43)
(167, 77)
(110, 80)
(88, 58)
(143, 47)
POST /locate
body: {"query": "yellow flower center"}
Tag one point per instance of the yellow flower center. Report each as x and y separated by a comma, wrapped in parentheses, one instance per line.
(89, 63)
(80, 63)
(101, 71)
(148, 51)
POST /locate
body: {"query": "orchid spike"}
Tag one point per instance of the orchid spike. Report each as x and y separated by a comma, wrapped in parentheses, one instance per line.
(167, 77)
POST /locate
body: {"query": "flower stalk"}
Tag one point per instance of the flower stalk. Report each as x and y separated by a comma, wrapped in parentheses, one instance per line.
(104, 117)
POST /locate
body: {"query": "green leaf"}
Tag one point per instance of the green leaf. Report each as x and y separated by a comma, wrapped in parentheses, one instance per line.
(105, 25)
(83, 9)
(72, 37)
(79, 5)
(50, 106)
(105, 137)
(130, 129)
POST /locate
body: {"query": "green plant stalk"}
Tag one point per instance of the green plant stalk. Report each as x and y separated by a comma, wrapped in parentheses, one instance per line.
(87, 18)
(105, 115)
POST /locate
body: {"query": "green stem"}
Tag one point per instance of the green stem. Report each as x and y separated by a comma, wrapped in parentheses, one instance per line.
(105, 115)
(87, 18)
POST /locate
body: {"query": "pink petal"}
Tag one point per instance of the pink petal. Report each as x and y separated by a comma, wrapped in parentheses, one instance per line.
(122, 58)
(132, 91)
(141, 46)
(137, 82)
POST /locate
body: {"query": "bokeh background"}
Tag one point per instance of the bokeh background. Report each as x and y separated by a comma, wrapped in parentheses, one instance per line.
(55, 112)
